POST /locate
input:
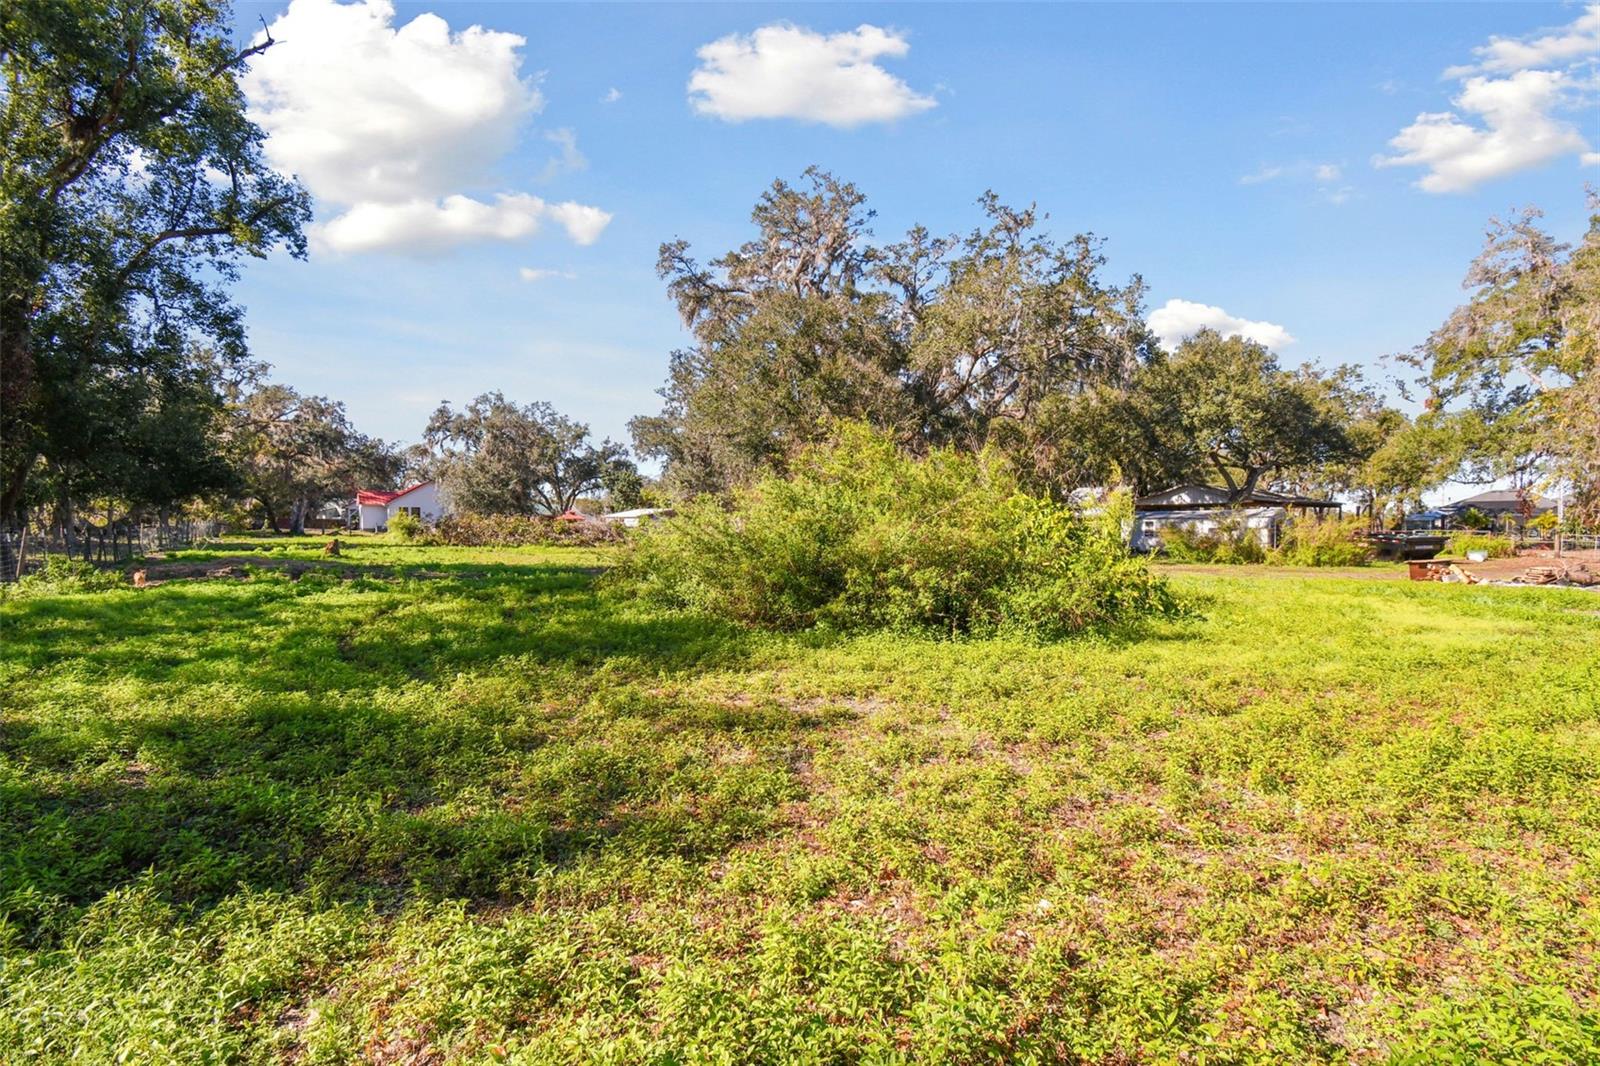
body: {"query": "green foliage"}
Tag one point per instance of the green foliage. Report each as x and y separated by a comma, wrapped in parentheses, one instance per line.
(487, 531)
(60, 575)
(1310, 541)
(496, 457)
(1473, 518)
(405, 527)
(503, 814)
(1222, 407)
(1514, 368)
(296, 453)
(1229, 542)
(863, 536)
(1545, 523)
(117, 246)
(955, 339)
(1497, 547)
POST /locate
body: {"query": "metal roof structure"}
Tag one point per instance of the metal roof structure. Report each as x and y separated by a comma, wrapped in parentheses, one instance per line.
(1189, 497)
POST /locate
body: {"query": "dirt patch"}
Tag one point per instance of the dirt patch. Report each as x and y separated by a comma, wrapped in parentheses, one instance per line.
(157, 571)
(237, 566)
(1488, 570)
(1378, 572)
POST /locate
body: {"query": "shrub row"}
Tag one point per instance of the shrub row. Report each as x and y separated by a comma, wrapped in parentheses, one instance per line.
(1308, 541)
(1303, 541)
(60, 575)
(500, 531)
(1497, 547)
(863, 536)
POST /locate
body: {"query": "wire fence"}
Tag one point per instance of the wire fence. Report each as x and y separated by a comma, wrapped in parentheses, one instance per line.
(23, 550)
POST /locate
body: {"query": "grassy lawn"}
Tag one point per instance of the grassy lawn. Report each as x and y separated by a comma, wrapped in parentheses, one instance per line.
(504, 815)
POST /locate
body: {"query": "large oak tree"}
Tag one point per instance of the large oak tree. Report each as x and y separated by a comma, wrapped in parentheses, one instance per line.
(131, 185)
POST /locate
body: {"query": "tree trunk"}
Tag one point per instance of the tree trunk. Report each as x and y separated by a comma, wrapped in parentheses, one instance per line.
(1252, 477)
(297, 518)
(69, 524)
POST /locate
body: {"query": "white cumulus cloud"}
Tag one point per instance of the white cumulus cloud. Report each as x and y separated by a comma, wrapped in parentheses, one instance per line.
(544, 274)
(1506, 55)
(1517, 128)
(435, 225)
(1177, 319)
(787, 71)
(1511, 111)
(392, 126)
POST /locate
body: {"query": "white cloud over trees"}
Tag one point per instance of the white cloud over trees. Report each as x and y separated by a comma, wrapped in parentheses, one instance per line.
(399, 128)
(787, 71)
(1509, 114)
(1177, 319)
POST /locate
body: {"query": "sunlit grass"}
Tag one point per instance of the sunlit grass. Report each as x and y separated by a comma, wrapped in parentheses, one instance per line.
(503, 814)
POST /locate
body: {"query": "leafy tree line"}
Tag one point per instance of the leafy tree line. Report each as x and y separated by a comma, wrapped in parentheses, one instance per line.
(1003, 338)
(133, 185)
(1511, 389)
(1006, 338)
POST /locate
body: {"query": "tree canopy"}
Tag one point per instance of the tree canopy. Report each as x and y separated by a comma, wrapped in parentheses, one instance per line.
(496, 457)
(296, 453)
(1511, 374)
(961, 340)
(132, 183)
(1005, 338)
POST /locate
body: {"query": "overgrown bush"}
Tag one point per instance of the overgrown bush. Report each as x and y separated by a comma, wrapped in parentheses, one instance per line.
(1230, 542)
(1311, 541)
(862, 536)
(1497, 547)
(60, 574)
(506, 531)
(405, 528)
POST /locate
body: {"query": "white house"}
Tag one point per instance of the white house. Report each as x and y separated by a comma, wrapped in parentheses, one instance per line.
(1203, 509)
(422, 500)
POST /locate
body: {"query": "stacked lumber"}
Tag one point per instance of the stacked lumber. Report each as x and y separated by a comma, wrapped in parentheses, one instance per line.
(1579, 575)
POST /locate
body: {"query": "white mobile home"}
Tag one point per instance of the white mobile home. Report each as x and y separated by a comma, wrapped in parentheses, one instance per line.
(1202, 509)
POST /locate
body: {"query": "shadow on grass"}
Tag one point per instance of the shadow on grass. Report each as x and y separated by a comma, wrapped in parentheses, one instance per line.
(370, 741)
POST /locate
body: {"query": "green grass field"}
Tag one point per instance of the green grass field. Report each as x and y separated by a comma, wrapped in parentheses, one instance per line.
(501, 813)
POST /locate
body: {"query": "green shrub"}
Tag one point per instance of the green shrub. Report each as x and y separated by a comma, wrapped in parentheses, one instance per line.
(405, 528)
(1230, 542)
(60, 574)
(1497, 547)
(862, 536)
(515, 530)
(1311, 541)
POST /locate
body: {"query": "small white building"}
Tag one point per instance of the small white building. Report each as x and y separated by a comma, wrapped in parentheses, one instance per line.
(422, 500)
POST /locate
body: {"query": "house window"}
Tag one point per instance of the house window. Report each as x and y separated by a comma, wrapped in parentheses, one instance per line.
(414, 512)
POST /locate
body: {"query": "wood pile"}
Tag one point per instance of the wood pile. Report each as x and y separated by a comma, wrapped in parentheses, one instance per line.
(1579, 575)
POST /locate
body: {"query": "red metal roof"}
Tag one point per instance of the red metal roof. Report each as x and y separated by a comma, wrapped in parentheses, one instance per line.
(375, 496)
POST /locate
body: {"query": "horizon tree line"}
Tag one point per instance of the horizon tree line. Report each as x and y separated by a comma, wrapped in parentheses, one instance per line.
(135, 185)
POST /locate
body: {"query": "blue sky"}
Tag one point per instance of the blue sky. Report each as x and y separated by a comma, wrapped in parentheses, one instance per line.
(1226, 153)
